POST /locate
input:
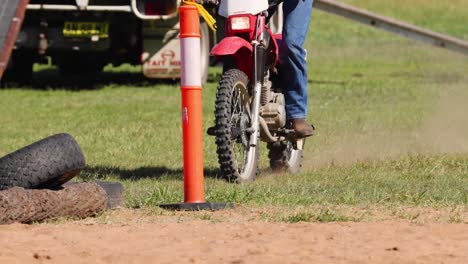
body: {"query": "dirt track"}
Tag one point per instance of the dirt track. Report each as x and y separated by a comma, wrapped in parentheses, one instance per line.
(177, 239)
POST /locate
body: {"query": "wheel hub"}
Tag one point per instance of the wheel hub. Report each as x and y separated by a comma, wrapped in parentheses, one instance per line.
(240, 126)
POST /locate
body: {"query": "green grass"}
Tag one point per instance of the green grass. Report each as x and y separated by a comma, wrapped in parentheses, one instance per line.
(390, 115)
(322, 216)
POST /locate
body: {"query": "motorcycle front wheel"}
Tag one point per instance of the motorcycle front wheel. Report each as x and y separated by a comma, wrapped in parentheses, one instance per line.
(238, 160)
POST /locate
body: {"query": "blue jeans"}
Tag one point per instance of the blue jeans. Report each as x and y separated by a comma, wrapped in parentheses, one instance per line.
(293, 72)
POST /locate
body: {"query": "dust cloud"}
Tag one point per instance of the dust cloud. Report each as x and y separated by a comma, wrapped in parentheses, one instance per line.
(443, 130)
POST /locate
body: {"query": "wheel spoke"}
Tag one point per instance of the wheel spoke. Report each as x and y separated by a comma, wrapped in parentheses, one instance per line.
(237, 127)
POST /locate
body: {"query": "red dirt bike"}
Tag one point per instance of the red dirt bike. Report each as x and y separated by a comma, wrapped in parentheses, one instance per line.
(250, 105)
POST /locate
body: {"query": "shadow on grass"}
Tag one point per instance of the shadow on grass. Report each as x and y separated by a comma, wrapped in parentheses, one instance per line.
(100, 172)
(51, 79)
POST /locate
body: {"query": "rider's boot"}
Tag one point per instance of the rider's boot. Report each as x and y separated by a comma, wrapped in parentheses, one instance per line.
(301, 128)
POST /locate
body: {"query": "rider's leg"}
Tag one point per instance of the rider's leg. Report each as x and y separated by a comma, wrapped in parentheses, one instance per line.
(297, 15)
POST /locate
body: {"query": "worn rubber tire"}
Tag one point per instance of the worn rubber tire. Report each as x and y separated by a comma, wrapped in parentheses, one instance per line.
(114, 192)
(231, 170)
(47, 163)
(284, 158)
(27, 206)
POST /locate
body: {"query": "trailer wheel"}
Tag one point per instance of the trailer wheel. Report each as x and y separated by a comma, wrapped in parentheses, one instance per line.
(47, 163)
(20, 70)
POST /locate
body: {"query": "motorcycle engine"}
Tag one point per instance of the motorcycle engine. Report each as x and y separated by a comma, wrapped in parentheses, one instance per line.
(274, 112)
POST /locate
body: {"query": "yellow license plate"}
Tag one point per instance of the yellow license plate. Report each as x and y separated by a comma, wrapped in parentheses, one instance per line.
(86, 29)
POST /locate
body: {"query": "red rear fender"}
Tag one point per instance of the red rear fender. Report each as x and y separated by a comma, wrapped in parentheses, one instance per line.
(230, 46)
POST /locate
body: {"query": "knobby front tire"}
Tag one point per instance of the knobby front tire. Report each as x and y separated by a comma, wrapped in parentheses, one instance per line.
(238, 160)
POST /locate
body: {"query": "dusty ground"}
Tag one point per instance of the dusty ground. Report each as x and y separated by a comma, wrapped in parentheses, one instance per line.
(237, 236)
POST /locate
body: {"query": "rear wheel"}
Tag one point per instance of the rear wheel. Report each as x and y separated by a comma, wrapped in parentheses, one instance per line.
(286, 156)
(20, 69)
(238, 160)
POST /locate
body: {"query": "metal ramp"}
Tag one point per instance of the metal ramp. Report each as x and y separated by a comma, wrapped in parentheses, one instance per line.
(380, 22)
(393, 26)
(11, 18)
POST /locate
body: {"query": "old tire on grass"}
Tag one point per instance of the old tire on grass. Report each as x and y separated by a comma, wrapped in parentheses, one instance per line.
(27, 206)
(47, 163)
(114, 192)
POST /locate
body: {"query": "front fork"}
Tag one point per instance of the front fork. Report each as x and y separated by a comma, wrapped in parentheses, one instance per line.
(258, 72)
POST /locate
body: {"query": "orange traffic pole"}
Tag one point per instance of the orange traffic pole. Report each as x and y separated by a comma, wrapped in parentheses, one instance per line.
(192, 130)
(191, 104)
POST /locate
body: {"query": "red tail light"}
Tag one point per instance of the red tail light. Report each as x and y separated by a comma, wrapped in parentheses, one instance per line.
(241, 23)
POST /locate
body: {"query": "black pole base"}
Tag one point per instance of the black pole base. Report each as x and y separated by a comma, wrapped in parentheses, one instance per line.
(197, 206)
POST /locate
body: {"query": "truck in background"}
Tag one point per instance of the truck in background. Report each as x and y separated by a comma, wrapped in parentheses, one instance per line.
(82, 36)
